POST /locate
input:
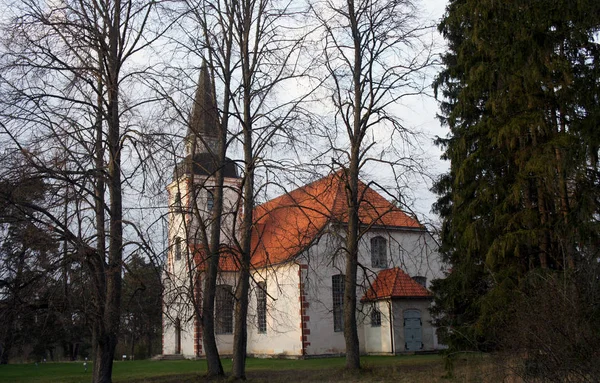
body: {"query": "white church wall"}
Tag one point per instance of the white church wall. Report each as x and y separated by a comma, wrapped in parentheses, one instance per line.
(413, 251)
(322, 265)
(378, 339)
(283, 336)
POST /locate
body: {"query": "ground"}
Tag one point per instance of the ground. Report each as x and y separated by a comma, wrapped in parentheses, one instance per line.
(414, 368)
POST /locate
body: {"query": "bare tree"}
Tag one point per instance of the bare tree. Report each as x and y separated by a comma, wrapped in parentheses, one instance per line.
(374, 55)
(63, 79)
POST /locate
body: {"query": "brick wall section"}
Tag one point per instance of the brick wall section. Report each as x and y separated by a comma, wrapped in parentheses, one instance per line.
(162, 337)
(304, 317)
(197, 324)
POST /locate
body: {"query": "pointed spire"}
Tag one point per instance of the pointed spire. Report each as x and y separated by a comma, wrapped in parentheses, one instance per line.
(203, 122)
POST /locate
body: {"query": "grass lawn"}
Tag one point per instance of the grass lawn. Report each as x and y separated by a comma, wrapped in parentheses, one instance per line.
(414, 368)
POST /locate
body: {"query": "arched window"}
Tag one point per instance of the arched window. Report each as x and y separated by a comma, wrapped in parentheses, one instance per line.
(224, 310)
(261, 307)
(210, 200)
(337, 290)
(178, 246)
(379, 252)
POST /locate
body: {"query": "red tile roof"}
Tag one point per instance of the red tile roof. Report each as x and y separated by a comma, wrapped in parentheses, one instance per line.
(288, 224)
(394, 283)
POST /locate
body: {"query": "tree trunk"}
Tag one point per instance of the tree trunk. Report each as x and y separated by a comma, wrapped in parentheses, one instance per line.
(213, 361)
(350, 328)
(108, 322)
(240, 338)
(352, 236)
(214, 367)
(103, 359)
(4, 352)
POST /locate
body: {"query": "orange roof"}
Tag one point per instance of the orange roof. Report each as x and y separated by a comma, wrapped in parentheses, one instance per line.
(288, 224)
(394, 283)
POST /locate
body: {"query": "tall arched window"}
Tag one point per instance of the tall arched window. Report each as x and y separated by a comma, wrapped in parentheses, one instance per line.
(261, 307)
(178, 246)
(337, 292)
(177, 203)
(210, 200)
(224, 310)
(379, 252)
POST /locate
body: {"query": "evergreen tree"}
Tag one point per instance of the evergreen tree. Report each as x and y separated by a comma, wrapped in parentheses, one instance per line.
(520, 92)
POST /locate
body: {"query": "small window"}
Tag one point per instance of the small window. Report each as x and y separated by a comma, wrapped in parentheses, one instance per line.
(379, 252)
(420, 280)
(177, 203)
(261, 307)
(375, 317)
(337, 284)
(178, 251)
(224, 310)
(210, 200)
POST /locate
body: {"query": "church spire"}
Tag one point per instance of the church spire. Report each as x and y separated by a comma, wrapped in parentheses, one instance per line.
(202, 135)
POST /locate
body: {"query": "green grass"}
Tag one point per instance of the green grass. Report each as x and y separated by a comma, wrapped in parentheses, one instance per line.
(413, 368)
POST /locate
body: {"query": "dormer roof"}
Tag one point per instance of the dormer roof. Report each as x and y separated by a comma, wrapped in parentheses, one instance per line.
(395, 283)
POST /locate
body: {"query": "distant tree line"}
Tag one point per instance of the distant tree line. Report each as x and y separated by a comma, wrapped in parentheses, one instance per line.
(44, 297)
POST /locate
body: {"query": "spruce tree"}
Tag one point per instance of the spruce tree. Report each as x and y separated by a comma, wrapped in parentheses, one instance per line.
(520, 94)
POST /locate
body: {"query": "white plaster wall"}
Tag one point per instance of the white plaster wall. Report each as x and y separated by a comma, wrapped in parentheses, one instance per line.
(413, 251)
(322, 264)
(284, 334)
(199, 208)
(378, 340)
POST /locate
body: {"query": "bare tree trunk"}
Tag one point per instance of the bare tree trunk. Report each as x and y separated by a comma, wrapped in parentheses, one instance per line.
(352, 238)
(208, 320)
(110, 318)
(240, 339)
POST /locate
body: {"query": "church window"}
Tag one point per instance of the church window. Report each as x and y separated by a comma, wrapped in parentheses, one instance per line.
(375, 317)
(261, 307)
(224, 310)
(210, 200)
(177, 203)
(379, 252)
(337, 284)
(178, 245)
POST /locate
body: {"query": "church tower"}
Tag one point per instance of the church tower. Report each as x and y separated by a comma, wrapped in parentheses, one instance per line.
(191, 199)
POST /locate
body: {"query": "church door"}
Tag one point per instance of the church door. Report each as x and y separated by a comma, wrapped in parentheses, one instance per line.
(412, 330)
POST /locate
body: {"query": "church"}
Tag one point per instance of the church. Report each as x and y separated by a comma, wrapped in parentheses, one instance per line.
(297, 282)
